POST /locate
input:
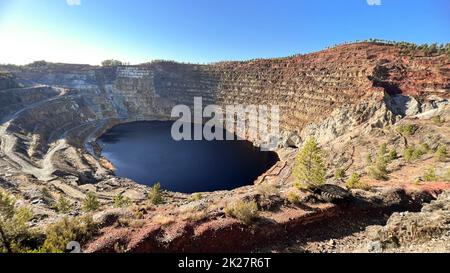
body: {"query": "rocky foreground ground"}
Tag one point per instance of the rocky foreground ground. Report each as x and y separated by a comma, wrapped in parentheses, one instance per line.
(426, 231)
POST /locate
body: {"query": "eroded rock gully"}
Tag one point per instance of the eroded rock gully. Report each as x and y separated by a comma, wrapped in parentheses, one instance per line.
(349, 97)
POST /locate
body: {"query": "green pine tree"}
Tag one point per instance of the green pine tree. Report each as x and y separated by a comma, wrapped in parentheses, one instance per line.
(63, 205)
(309, 168)
(91, 202)
(14, 225)
(441, 153)
(121, 201)
(155, 195)
(354, 182)
(378, 170)
(339, 174)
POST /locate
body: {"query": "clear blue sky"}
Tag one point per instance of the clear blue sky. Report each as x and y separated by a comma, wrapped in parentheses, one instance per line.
(206, 30)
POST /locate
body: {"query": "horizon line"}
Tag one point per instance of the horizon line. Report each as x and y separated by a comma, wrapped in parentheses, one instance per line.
(124, 63)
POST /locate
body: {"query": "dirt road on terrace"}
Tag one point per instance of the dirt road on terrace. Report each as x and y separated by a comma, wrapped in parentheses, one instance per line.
(44, 168)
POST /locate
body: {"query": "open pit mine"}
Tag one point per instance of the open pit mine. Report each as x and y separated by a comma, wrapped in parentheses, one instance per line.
(363, 103)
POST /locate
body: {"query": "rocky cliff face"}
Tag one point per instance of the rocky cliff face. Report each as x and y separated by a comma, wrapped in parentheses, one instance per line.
(7, 81)
(424, 231)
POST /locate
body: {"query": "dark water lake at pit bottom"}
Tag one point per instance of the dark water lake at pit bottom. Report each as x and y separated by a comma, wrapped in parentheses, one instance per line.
(146, 153)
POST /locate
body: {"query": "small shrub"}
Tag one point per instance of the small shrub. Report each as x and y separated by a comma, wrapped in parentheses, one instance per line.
(368, 159)
(197, 216)
(417, 181)
(393, 155)
(354, 182)
(378, 170)
(415, 153)
(139, 214)
(196, 197)
(438, 121)
(47, 196)
(267, 190)
(155, 195)
(243, 211)
(339, 174)
(383, 149)
(111, 63)
(91, 202)
(441, 153)
(430, 175)
(193, 214)
(424, 148)
(137, 223)
(407, 129)
(14, 225)
(293, 198)
(163, 220)
(63, 205)
(58, 235)
(408, 154)
(121, 201)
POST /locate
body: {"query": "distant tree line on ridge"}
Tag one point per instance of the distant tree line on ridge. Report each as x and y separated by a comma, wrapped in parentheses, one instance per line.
(428, 50)
(112, 63)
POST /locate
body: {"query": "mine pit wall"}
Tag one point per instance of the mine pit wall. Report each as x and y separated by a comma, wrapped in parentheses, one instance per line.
(306, 88)
(12, 100)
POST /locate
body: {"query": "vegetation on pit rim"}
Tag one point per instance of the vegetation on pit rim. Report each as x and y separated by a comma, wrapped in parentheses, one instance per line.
(414, 153)
(407, 48)
(430, 175)
(63, 205)
(121, 201)
(293, 198)
(155, 196)
(91, 202)
(16, 235)
(244, 211)
(407, 129)
(60, 234)
(267, 190)
(354, 182)
(378, 169)
(309, 170)
(47, 196)
(339, 174)
(438, 121)
(441, 153)
(196, 197)
(428, 50)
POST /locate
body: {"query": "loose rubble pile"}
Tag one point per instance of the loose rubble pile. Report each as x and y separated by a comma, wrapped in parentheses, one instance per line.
(425, 231)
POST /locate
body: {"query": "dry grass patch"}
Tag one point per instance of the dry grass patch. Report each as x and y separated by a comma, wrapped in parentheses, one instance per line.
(244, 211)
(163, 220)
